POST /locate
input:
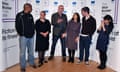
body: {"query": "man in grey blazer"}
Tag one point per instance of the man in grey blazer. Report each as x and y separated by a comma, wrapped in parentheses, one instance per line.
(59, 22)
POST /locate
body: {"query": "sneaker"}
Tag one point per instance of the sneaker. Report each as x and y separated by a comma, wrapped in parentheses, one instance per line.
(78, 62)
(23, 70)
(87, 62)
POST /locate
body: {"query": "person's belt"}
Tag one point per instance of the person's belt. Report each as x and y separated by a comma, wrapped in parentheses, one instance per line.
(84, 35)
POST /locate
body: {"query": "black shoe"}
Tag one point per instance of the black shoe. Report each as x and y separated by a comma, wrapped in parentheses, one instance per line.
(101, 67)
(33, 66)
(23, 70)
(50, 58)
(64, 59)
(69, 60)
(45, 61)
(40, 64)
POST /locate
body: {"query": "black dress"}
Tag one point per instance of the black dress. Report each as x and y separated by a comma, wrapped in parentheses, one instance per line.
(42, 43)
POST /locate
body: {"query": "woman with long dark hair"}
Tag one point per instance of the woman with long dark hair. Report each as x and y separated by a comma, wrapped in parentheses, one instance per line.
(104, 31)
(73, 30)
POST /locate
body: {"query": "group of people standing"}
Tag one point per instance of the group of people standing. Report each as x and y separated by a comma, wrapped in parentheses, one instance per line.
(69, 33)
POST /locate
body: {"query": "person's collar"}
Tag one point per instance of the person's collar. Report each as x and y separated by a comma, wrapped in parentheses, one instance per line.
(60, 14)
(25, 12)
(87, 17)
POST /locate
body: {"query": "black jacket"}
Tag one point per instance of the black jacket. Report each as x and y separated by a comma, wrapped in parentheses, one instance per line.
(88, 26)
(24, 24)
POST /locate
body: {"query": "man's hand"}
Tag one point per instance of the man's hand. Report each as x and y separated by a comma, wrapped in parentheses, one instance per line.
(59, 20)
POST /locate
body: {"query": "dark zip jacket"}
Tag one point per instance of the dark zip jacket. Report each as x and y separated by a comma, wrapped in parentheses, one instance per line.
(25, 24)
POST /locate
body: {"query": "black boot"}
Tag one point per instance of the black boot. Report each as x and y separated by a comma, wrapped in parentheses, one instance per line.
(101, 67)
(69, 60)
(64, 59)
(72, 59)
(51, 57)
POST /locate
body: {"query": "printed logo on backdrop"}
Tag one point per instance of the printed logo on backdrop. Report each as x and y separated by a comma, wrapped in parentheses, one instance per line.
(74, 3)
(37, 1)
(9, 10)
(55, 3)
(92, 2)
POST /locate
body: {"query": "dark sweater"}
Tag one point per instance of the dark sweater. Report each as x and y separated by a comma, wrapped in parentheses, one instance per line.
(24, 24)
(88, 26)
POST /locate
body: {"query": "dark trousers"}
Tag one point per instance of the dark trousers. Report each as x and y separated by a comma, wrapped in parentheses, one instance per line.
(41, 55)
(55, 39)
(84, 47)
(71, 53)
(103, 57)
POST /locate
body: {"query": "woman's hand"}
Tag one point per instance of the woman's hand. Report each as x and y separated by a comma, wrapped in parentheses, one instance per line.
(64, 35)
(76, 39)
(102, 26)
(44, 34)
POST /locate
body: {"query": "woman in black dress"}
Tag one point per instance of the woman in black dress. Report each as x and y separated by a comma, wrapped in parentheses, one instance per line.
(43, 28)
(104, 31)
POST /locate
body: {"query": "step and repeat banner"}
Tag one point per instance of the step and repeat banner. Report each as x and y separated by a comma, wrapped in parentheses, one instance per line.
(98, 9)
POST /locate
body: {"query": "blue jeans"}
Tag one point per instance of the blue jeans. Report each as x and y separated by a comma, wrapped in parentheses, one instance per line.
(26, 43)
(84, 47)
(55, 39)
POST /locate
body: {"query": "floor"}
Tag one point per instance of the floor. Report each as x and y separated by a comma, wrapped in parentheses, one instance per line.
(57, 65)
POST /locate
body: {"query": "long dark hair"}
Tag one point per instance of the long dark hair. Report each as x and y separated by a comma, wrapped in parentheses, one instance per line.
(78, 17)
(108, 17)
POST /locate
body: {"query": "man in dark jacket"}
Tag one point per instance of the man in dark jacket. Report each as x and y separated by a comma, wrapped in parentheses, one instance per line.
(25, 29)
(59, 22)
(88, 29)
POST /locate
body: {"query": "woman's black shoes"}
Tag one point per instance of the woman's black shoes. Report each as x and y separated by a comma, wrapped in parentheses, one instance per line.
(71, 60)
(101, 67)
